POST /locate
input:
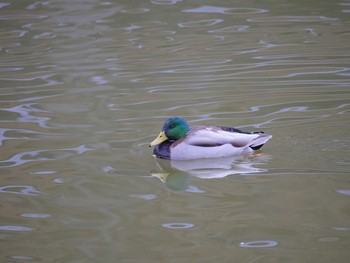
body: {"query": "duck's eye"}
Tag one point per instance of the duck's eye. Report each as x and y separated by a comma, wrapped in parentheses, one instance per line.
(172, 126)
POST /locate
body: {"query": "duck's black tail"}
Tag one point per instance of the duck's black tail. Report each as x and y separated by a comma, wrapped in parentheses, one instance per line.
(259, 142)
(264, 138)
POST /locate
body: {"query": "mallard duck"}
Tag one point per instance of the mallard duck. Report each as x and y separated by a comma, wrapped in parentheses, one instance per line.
(179, 141)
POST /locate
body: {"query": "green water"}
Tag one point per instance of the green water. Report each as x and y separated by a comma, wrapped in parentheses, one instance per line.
(85, 86)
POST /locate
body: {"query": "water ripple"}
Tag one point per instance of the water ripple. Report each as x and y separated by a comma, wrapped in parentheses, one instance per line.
(15, 228)
(135, 10)
(225, 10)
(344, 192)
(259, 244)
(200, 23)
(231, 29)
(45, 35)
(44, 172)
(21, 134)
(19, 189)
(165, 2)
(4, 4)
(31, 76)
(22, 17)
(22, 158)
(37, 5)
(276, 19)
(24, 258)
(42, 155)
(178, 225)
(36, 216)
(25, 114)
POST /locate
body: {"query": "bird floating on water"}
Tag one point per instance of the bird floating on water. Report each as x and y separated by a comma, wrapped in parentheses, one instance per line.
(179, 141)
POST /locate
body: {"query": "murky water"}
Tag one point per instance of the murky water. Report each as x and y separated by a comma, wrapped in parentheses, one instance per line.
(86, 85)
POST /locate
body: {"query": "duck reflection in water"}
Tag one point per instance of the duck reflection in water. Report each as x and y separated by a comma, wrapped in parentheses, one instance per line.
(176, 174)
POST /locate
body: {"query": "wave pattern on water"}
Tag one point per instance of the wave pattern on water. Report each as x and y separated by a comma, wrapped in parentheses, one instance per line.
(85, 85)
(19, 189)
(42, 155)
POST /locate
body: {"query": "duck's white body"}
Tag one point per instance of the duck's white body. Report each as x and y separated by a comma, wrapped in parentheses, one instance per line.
(212, 142)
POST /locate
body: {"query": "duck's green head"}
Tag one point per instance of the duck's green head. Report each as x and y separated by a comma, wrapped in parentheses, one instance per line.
(174, 128)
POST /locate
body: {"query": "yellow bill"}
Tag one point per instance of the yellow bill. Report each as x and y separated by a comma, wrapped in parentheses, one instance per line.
(161, 138)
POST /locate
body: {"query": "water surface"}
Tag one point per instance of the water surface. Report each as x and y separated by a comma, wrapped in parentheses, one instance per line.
(86, 85)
